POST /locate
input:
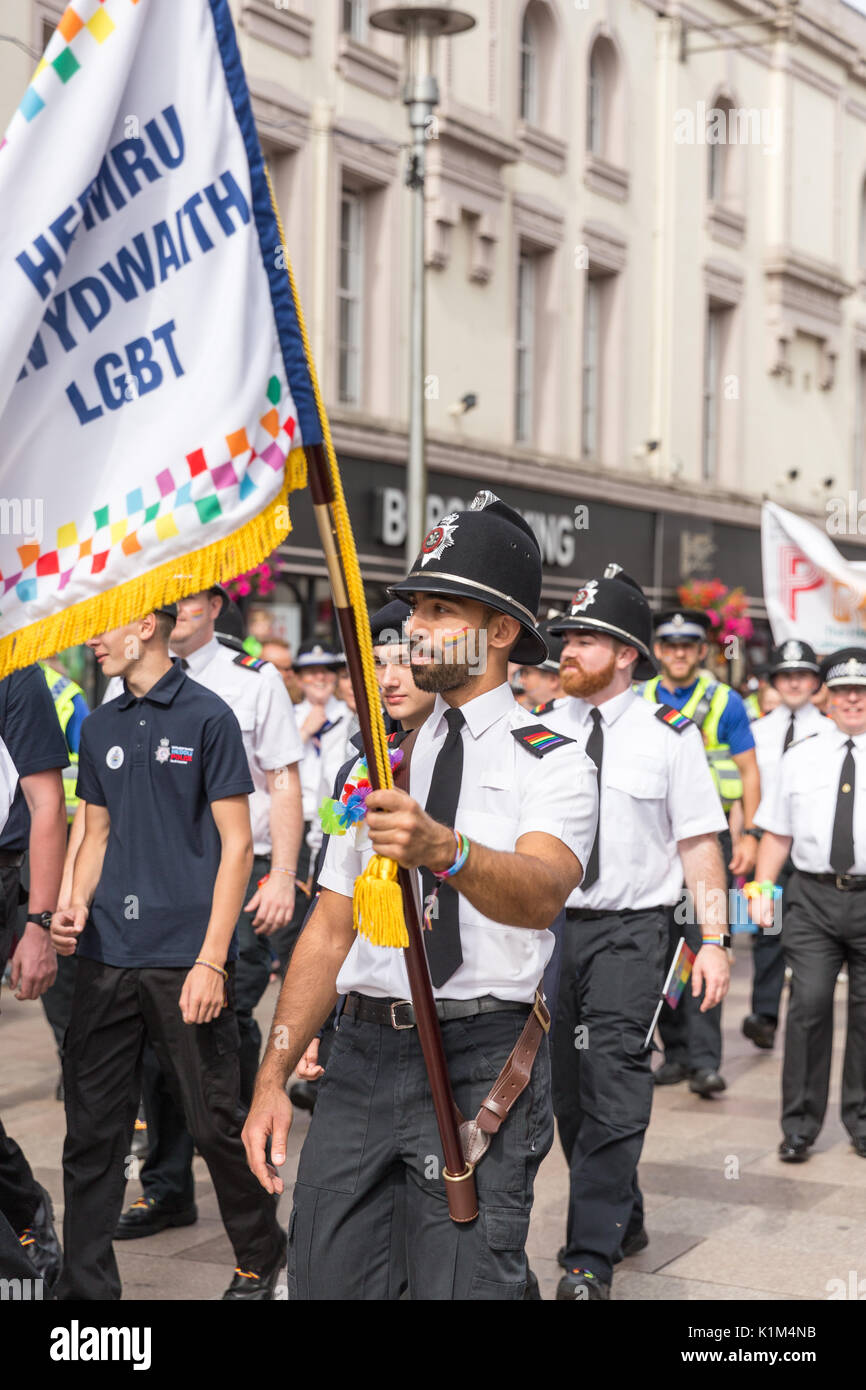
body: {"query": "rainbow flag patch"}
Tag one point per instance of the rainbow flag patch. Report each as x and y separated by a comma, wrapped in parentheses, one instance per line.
(674, 718)
(539, 739)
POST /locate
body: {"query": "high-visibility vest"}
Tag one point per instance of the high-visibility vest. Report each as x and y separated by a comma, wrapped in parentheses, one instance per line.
(63, 693)
(706, 705)
(753, 707)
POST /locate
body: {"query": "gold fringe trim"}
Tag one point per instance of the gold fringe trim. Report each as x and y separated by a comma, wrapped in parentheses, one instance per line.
(187, 574)
(378, 902)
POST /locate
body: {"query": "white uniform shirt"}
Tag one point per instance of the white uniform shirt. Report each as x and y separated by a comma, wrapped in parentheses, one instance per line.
(322, 762)
(656, 789)
(802, 803)
(265, 713)
(505, 793)
(770, 735)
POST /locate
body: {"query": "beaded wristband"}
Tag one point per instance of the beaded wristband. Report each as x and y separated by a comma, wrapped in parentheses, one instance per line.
(754, 889)
(210, 965)
(460, 860)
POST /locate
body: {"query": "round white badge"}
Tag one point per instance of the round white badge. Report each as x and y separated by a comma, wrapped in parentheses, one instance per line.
(114, 756)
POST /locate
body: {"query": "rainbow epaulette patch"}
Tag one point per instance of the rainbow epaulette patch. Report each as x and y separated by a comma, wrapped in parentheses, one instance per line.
(539, 739)
(252, 663)
(674, 718)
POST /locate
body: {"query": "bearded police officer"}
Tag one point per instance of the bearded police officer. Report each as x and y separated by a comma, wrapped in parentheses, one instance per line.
(658, 822)
(793, 673)
(816, 812)
(524, 801)
(693, 1040)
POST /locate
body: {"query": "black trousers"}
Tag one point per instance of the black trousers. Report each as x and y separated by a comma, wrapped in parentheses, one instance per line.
(611, 974)
(691, 1038)
(57, 1001)
(768, 962)
(19, 1193)
(167, 1171)
(370, 1213)
(825, 928)
(113, 1010)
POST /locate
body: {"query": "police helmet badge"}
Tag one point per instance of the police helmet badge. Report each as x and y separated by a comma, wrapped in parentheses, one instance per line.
(439, 538)
(163, 752)
(792, 651)
(584, 597)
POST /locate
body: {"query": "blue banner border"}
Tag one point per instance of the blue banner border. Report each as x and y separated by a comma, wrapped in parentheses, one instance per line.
(285, 312)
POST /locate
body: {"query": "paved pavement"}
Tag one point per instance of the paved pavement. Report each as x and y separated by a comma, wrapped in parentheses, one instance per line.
(726, 1220)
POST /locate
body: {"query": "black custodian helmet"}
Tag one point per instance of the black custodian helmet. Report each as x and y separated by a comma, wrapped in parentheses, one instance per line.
(792, 656)
(490, 554)
(614, 604)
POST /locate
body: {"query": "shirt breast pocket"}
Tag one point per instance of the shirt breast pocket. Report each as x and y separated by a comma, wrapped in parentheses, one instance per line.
(643, 781)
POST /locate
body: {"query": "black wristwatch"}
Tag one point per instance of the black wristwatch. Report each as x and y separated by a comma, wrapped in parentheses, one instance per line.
(753, 831)
(42, 919)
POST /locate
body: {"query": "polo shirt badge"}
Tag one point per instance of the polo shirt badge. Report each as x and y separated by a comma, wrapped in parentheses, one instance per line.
(163, 752)
(114, 757)
(439, 538)
(179, 754)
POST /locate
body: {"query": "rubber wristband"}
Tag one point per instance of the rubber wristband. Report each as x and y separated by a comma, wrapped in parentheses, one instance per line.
(210, 965)
(460, 860)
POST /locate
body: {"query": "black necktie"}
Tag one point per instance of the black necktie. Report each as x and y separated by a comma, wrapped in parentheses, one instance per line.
(444, 952)
(594, 750)
(789, 734)
(842, 843)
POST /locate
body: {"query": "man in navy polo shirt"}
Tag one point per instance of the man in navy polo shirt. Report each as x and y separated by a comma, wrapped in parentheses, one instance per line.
(158, 885)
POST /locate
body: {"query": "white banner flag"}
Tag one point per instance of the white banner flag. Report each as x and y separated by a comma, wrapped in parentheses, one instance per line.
(154, 385)
(811, 591)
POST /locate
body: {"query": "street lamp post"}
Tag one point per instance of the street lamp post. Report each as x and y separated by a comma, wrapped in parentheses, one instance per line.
(420, 25)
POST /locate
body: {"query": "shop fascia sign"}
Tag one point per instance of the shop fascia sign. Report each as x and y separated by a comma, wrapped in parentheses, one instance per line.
(555, 530)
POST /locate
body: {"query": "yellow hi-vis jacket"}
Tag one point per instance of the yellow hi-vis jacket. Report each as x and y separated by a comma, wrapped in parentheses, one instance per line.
(705, 706)
(63, 693)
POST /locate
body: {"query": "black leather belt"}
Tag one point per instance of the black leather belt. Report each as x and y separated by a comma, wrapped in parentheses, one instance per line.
(11, 858)
(846, 883)
(591, 914)
(399, 1013)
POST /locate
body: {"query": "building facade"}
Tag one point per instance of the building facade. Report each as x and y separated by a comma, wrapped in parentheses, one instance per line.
(646, 275)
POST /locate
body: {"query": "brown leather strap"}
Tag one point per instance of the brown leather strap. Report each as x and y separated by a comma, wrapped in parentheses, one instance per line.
(513, 1080)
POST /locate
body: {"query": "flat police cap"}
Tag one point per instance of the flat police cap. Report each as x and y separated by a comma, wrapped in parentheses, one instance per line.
(314, 654)
(792, 656)
(490, 554)
(682, 625)
(386, 625)
(169, 609)
(846, 667)
(615, 605)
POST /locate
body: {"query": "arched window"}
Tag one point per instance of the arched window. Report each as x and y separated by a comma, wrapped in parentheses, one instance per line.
(718, 150)
(600, 97)
(529, 68)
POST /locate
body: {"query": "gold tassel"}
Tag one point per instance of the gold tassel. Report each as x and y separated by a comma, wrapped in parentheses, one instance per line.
(377, 904)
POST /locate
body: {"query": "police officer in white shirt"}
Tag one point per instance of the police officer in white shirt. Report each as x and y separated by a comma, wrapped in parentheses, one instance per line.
(526, 799)
(256, 693)
(659, 817)
(793, 672)
(816, 812)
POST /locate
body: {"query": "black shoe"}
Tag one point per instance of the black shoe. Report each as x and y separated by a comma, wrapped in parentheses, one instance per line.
(670, 1073)
(633, 1244)
(303, 1095)
(794, 1148)
(860, 1145)
(532, 1293)
(580, 1286)
(253, 1287)
(707, 1083)
(39, 1240)
(147, 1216)
(760, 1030)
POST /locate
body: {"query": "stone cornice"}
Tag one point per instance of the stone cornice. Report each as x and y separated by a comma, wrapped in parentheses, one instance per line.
(285, 29)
